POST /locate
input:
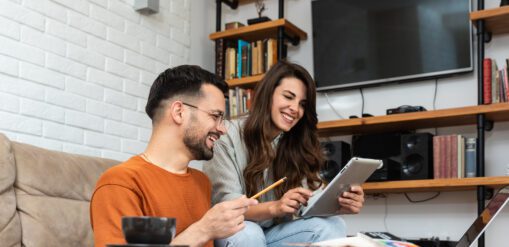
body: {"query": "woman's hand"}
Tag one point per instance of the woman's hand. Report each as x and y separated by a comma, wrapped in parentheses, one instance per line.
(290, 202)
(352, 201)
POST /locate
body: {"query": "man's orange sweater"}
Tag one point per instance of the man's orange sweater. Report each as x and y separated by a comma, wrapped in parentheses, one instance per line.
(139, 188)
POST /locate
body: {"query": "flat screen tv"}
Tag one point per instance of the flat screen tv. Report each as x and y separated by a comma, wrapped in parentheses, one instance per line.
(359, 43)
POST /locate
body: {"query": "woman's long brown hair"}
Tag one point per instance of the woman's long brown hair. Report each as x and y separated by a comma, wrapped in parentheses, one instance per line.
(297, 155)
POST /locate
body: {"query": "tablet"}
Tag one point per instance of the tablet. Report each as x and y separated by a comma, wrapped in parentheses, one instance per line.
(325, 202)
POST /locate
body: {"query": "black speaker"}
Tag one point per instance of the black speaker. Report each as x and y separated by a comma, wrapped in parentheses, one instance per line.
(390, 170)
(337, 154)
(406, 156)
(377, 146)
(386, 147)
(416, 156)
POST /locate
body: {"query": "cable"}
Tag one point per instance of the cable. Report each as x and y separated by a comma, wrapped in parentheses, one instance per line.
(386, 213)
(423, 200)
(435, 95)
(435, 101)
(362, 97)
(332, 107)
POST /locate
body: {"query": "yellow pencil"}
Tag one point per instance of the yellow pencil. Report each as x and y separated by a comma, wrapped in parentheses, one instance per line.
(272, 186)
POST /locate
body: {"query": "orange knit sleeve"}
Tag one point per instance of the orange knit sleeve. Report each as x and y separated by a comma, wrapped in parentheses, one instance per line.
(108, 205)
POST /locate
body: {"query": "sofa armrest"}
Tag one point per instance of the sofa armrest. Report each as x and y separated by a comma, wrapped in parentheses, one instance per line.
(10, 225)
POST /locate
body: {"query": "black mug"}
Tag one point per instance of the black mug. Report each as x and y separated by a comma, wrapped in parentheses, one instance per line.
(148, 230)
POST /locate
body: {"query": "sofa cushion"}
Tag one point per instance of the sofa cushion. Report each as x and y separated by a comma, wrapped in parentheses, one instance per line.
(10, 226)
(53, 191)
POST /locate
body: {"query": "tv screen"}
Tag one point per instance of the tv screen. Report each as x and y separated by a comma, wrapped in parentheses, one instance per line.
(359, 43)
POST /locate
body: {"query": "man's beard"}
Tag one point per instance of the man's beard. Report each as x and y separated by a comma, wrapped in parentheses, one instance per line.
(196, 145)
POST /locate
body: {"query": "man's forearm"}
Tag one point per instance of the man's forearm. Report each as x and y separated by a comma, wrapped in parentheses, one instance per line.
(194, 236)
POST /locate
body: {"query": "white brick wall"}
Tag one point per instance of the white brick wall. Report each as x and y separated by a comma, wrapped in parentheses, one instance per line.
(75, 74)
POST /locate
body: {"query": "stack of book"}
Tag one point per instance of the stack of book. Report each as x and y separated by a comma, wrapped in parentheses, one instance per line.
(454, 156)
(495, 82)
(238, 102)
(237, 59)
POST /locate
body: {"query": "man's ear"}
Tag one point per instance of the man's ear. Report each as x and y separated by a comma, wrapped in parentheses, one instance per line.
(176, 112)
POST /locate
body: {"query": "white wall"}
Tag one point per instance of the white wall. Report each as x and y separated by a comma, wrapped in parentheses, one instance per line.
(75, 74)
(451, 213)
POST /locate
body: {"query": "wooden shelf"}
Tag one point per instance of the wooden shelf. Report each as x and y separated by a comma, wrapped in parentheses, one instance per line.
(415, 120)
(497, 19)
(260, 31)
(249, 81)
(428, 185)
(245, 1)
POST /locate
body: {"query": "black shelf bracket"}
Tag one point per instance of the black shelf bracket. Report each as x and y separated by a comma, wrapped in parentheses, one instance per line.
(488, 193)
(484, 124)
(231, 3)
(487, 37)
(293, 40)
(488, 125)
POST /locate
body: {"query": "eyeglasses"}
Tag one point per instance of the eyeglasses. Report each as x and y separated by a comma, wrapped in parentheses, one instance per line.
(217, 116)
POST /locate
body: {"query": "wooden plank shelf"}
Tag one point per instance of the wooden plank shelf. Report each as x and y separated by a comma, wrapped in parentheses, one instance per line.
(415, 120)
(429, 185)
(260, 31)
(244, 82)
(497, 19)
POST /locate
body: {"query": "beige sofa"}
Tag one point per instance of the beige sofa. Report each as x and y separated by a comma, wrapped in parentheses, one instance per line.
(45, 195)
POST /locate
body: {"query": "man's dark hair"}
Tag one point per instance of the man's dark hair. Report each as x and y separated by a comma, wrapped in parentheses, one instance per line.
(184, 80)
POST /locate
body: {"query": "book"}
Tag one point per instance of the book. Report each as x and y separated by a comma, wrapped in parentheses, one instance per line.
(241, 44)
(245, 60)
(232, 99)
(453, 165)
(248, 60)
(494, 82)
(506, 84)
(259, 60)
(470, 157)
(271, 53)
(233, 25)
(501, 88)
(360, 240)
(461, 157)
(446, 166)
(436, 157)
(487, 81)
(220, 61)
(231, 63)
(229, 72)
(254, 58)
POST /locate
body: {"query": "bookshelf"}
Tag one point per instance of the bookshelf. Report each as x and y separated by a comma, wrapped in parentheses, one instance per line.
(431, 185)
(264, 43)
(415, 120)
(249, 81)
(487, 22)
(261, 31)
(418, 120)
(496, 20)
(256, 32)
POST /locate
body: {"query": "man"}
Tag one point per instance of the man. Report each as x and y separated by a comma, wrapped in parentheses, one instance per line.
(186, 105)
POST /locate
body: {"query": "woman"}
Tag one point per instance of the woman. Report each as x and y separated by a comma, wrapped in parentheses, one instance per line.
(278, 139)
